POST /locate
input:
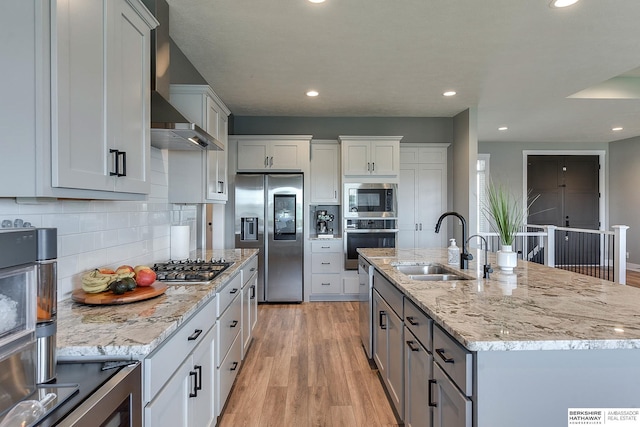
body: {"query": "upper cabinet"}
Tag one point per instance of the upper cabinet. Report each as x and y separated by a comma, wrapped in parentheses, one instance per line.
(273, 153)
(200, 176)
(89, 79)
(325, 172)
(370, 157)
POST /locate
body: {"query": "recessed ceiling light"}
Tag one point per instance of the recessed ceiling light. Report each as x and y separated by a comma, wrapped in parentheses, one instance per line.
(503, 128)
(316, 1)
(312, 93)
(563, 3)
(616, 129)
(449, 93)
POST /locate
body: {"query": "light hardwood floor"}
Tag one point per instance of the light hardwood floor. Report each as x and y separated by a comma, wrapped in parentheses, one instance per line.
(306, 367)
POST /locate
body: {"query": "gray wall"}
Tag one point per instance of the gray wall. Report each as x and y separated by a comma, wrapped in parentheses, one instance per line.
(465, 149)
(624, 198)
(413, 129)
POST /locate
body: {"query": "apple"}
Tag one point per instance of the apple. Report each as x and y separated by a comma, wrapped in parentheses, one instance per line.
(145, 277)
(106, 271)
(141, 267)
(124, 269)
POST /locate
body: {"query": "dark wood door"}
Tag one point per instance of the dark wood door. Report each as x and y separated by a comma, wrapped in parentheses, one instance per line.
(569, 197)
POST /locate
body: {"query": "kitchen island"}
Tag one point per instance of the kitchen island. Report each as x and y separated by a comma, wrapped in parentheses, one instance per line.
(538, 342)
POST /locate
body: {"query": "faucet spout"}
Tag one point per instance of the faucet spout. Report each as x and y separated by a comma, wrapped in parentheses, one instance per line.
(487, 267)
(465, 256)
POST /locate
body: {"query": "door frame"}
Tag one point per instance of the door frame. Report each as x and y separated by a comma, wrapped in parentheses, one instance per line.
(602, 213)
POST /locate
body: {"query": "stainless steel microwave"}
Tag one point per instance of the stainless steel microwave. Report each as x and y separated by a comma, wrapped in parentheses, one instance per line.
(370, 200)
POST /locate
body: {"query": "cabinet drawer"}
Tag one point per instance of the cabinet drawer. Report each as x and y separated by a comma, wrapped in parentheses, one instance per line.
(228, 293)
(452, 408)
(418, 323)
(328, 245)
(326, 263)
(390, 293)
(163, 362)
(228, 327)
(227, 373)
(454, 359)
(248, 270)
(326, 283)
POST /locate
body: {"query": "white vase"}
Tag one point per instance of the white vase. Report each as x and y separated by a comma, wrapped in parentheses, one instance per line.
(507, 259)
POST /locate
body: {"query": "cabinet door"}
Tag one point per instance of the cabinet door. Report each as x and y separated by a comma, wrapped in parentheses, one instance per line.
(285, 155)
(356, 158)
(380, 314)
(451, 408)
(385, 158)
(246, 319)
(170, 407)
(417, 373)
(80, 155)
(217, 175)
(128, 112)
(325, 174)
(395, 371)
(431, 200)
(212, 117)
(201, 406)
(407, 199)
(252, 155)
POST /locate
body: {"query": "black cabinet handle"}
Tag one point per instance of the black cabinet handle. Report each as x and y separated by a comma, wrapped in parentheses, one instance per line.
(233, 291)
(194, 393)
(194, 335)
(253, 292)
(412, 345)
(198, 377)
(234, 366)
(431, 403)
(382, 325)
(117, 154)
(234, 324)
(440, 352)
(412, 321)
(373, 166)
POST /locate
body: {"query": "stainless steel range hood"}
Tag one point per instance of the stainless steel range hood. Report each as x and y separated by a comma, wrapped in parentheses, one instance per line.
(169, 128)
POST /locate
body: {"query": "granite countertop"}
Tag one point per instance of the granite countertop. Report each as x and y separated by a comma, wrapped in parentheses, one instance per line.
(536, 308)
(131, 331)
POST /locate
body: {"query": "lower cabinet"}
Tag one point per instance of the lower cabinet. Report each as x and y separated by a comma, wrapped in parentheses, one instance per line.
(249, 303)
(450, 407)
(417, 375)
(179, 380)
(388, 351)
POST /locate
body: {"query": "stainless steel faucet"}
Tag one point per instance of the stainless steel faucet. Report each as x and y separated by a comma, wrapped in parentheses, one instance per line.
(487, 267)
(465, 256)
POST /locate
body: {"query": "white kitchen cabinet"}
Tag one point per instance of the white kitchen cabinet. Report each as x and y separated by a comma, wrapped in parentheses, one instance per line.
(273, 153)
(83, 131)
(422, 195)
(326, 269)
(370, 157)
(325, 172)
(249, 303)
(388, 349)
(200, 176)
(179, 380)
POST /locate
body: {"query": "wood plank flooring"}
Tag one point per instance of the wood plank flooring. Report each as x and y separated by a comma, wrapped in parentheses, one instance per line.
(306, 367)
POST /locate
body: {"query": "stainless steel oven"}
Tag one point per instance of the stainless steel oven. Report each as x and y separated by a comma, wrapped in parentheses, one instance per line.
(370, 200)
(367, 233)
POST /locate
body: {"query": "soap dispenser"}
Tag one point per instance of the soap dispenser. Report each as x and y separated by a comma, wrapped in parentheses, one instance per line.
(453, 253)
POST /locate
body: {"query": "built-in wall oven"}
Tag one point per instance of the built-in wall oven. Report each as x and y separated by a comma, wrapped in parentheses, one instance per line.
(370, 212)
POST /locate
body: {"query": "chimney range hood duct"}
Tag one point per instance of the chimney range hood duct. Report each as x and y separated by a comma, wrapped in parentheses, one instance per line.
(169, 128)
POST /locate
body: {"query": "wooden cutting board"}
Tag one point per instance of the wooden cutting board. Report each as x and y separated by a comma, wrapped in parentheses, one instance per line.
(140, 293)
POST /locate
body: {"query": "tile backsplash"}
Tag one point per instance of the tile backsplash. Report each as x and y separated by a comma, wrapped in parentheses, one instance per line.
(96, 233)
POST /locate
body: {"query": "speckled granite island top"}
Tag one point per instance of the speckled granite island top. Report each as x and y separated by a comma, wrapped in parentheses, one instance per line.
(131, 331)
(538, 308)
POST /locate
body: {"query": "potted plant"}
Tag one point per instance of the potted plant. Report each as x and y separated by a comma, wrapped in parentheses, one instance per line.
(506, 215)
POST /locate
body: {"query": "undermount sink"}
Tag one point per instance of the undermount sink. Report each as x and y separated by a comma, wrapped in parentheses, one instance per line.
(428, 272)
(436, 277)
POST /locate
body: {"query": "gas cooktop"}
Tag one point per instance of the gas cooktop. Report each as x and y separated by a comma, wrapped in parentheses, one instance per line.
(198, 270)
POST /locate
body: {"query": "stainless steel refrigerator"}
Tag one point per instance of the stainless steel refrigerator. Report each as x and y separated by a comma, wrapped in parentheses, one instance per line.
(268, 216)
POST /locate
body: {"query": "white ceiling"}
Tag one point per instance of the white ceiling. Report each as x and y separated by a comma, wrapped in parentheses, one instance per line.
(518, 61)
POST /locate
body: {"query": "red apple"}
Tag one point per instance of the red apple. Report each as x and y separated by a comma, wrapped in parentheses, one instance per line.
(145, 277)
(106, 271)
(124, 269)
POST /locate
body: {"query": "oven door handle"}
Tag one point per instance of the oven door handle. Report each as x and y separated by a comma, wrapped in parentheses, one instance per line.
(372, 230)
